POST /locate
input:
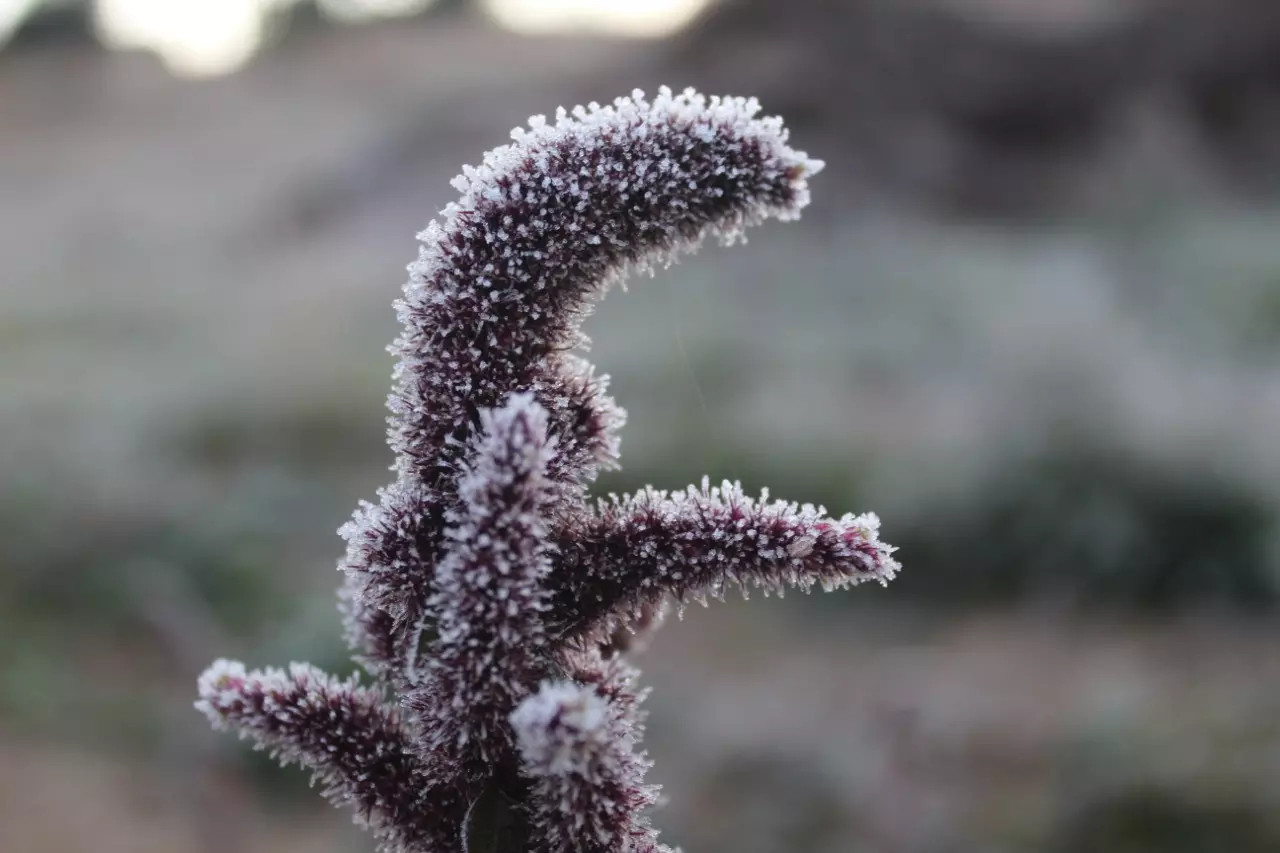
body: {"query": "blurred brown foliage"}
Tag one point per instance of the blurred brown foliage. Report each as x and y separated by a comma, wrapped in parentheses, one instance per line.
(991, 105)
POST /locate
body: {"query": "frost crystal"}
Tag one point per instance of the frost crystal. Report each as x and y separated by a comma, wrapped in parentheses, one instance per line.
(588, 783)
(355, 745)
(636, 550)
(502, 283)
(491, 591)
(488, 597)
(563, 730)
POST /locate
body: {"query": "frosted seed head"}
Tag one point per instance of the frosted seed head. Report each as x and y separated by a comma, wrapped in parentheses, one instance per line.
(561, 728)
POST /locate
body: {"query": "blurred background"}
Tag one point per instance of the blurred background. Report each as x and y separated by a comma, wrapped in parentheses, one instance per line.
(1032, 319)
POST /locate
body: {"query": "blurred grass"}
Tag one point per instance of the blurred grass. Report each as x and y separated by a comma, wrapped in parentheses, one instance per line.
(1098, 529)
(1075, 418)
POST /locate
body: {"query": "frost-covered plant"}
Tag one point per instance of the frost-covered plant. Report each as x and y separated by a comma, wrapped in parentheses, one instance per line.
(488, 597)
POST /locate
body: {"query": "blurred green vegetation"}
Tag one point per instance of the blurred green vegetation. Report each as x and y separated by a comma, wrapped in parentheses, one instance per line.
(101, 599)
(1097, 529)
(1155, 820)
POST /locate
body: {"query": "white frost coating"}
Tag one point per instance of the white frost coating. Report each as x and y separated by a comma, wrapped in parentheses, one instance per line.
(498, 428)
(494, 304)
(490, 596)
(562, 729)
(345, 734)
(216, 686)
(501, 533)
(577, 744)
(707, 117)
(260, 700)
(527, 201)
(734, 120)
(514, 447)
(700, 541)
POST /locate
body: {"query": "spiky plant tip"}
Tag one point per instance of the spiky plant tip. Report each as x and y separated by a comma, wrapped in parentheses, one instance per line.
(562, 729)
(355, 745)
(587, 779)
(635, 551)
(490, 589)
(546, 223)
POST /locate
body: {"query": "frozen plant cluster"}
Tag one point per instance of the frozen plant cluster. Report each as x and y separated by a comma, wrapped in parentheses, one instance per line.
(490, 600)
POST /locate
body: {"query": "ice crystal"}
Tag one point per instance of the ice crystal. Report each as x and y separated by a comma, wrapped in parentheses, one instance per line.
(491, 591)
(355, 744)
(588, 782)
(489, 598)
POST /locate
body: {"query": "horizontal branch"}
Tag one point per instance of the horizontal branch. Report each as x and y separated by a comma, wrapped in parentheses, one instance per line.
(636, 550)
(354, 744)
